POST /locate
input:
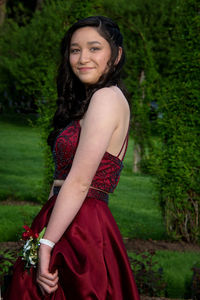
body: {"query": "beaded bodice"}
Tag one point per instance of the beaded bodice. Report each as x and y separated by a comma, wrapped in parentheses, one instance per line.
(108, 172)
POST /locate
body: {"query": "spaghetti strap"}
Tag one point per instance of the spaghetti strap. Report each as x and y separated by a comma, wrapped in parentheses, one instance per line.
(124, 143)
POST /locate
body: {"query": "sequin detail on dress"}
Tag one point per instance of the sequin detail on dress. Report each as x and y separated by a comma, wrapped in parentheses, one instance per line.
(108, 172)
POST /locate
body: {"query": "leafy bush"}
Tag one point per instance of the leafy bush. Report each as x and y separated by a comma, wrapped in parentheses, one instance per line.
(7, 259)
(30, 55)
(148, 277)
(178, 168)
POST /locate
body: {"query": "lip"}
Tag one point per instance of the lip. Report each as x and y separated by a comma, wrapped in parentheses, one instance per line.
(84, 69)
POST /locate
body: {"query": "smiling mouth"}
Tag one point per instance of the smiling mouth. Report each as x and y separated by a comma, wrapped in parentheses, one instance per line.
(84, 69)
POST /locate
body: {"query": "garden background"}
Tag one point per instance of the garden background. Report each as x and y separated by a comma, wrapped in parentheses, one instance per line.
(157, 202)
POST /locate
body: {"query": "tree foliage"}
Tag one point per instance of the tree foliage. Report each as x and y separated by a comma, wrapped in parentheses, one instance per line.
(30, 56)
(179, 158)
(20, 11)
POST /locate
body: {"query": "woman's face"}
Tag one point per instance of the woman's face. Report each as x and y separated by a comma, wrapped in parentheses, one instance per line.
(89, 55)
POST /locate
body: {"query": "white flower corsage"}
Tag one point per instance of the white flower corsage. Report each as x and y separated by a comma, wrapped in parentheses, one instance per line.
(30, 249)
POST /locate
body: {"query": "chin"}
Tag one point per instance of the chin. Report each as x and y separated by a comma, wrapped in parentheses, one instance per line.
(89, 82)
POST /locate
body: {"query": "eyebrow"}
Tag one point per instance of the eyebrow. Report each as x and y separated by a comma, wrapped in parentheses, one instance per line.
(89, 43)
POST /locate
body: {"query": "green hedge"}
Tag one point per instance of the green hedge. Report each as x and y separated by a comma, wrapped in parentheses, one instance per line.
(179, 158)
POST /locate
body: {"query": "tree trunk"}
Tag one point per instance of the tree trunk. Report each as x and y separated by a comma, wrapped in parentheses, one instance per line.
(2, 11)
(136, 158)
(137, 151)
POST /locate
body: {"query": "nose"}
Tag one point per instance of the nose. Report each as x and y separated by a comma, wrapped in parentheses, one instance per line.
(84, 57)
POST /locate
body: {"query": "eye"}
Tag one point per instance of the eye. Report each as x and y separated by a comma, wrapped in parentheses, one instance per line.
(75, 50)
(93, 49)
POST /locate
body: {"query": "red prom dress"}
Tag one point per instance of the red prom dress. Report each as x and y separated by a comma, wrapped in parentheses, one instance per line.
(90, 257)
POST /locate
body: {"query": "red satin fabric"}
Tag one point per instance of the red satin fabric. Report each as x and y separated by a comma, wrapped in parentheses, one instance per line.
(90, 257)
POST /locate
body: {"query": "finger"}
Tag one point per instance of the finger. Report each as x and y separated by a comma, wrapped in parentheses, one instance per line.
(48, 275)
(54, 275)
(46, 288)
(50, 283)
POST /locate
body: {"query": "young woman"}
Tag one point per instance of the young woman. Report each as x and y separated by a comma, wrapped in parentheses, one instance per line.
(81, 255)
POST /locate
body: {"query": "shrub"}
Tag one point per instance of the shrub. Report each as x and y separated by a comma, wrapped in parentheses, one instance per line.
(178, 168)
(29, 58)
(7, 259)
(148, 277)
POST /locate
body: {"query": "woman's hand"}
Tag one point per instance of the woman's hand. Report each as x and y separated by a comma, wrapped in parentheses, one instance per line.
(47, 281)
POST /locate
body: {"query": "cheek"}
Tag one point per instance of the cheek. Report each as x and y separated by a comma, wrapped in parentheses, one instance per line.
(104, 61)
(72, 61)
(106, 58)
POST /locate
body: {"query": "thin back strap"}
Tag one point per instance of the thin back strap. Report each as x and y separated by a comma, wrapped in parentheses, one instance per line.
(125, 142)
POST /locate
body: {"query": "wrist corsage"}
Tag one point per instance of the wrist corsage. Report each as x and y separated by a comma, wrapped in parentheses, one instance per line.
(30, 249)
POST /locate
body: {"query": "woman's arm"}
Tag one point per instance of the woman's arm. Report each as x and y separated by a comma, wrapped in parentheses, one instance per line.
(100, 122)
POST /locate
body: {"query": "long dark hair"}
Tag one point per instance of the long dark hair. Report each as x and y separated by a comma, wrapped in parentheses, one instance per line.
(72, 100)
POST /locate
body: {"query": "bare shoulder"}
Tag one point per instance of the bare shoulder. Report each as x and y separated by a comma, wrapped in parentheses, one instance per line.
(110, 97)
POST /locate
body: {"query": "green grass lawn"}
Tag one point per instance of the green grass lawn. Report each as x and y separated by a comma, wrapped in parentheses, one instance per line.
(12, 220)
(21, 161)
(134, 204)
(177, 271)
